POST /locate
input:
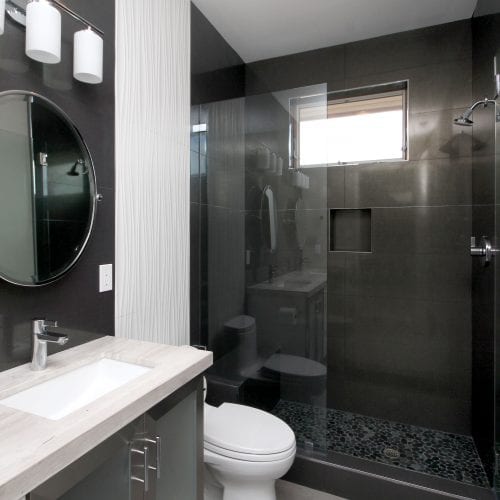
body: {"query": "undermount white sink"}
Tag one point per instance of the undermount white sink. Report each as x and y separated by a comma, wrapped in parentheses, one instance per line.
(62, 395)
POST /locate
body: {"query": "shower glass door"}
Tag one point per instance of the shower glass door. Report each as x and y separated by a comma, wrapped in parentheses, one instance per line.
(260, 242)
(286, 283)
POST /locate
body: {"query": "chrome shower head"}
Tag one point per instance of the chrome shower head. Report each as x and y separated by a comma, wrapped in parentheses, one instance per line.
(463, 121)
(73, 171)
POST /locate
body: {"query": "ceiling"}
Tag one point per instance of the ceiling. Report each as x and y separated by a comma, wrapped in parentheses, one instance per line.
(261, 29)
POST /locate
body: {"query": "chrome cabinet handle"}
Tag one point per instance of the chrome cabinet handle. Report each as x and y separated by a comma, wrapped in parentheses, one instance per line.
(157, 467)
(158, 456)
(146, 469)
(145, 479)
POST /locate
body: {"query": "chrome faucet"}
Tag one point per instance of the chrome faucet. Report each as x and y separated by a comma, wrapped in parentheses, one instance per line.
(271, 273)
(43, 332)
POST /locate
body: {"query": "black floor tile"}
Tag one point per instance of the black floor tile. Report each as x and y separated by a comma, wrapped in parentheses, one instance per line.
(450, 456)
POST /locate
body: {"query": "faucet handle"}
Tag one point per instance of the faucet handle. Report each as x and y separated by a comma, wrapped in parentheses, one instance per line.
(40, 326)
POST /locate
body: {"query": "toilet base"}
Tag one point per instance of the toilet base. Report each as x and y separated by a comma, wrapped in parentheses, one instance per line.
(212, 489)
(251, 491)
(238, 489)
(259, 491)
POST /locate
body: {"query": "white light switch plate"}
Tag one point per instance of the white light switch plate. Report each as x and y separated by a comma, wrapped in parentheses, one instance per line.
(105, 277)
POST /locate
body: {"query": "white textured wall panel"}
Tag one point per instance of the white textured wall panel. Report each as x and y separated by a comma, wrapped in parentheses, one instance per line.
(152, 170)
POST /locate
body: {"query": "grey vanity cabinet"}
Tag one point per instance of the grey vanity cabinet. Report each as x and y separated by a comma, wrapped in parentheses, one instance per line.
(176, 435)
(159, 456)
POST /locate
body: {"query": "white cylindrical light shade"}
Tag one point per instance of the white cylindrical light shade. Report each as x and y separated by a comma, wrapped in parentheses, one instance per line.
(43, 32)
(87, 56)
(2, 16)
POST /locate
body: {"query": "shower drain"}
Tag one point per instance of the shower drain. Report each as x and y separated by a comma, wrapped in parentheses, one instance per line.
(392, 453)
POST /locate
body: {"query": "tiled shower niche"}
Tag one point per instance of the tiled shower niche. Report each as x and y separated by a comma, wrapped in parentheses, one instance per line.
(350, 230)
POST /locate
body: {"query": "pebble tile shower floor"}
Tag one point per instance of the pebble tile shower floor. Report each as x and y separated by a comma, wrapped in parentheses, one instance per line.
(450, 456)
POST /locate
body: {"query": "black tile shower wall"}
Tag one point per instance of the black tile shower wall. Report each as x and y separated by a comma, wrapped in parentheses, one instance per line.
(399, 331)
(297, 70)
(419, 366)
(74, 300)
(217, 71)
(217, 184)
(225, 194)
(486, 44)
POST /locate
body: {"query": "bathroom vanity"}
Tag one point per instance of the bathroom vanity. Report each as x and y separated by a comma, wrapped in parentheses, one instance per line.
(290, 312)
(111, 419)
(140, 440)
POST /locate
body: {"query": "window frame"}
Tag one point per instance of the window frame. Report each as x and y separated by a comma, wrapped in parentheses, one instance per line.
(357, 94)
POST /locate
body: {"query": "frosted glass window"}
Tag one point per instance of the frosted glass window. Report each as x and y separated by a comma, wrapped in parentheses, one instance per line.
(361, 129)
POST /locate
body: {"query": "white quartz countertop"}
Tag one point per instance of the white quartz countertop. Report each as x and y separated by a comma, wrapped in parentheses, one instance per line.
(32, 448)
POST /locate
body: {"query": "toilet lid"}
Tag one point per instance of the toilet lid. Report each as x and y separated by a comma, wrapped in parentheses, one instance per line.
(295, 366)
(243, 429)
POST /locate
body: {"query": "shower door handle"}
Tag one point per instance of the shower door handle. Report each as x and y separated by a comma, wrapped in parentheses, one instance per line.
(484, 250)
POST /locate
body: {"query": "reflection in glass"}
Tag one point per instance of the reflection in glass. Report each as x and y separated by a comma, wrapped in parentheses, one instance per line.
(46, 191)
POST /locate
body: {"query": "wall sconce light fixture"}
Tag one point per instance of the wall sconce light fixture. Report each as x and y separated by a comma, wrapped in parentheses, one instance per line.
(87, 56)
(43, 32)
(42, 19)
(2, 16)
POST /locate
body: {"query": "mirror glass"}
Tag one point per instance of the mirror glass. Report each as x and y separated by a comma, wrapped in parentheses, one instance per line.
(47, 190)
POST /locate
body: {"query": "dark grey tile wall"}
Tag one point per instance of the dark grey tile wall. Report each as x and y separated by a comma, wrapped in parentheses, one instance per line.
(399, 330)
(486, 44)
(414, 366)
(74, 300)
(351, 230)
(217, 71)
(217, 184)
(225, 166)
(296, 70)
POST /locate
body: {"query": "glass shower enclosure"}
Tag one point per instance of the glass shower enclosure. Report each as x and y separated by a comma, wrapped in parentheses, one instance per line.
(331, 261)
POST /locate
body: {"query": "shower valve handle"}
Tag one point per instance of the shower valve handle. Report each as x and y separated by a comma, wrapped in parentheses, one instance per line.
(484, 250)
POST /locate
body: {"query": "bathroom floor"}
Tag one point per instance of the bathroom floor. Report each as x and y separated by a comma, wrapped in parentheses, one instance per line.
(450, 456)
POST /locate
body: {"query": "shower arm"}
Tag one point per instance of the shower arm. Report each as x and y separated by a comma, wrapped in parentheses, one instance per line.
(483, 103)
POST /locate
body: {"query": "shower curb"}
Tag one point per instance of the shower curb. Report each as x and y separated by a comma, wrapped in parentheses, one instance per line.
(357, 479)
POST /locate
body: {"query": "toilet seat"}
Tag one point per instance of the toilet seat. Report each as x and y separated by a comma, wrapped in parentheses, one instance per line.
(247, 434)
(296, 367)
(248, 457)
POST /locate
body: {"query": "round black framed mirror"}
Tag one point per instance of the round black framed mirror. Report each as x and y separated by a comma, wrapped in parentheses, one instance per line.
(47, 190)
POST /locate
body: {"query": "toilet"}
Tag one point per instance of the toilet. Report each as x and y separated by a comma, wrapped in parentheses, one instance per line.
(301, 379)
(245, 451)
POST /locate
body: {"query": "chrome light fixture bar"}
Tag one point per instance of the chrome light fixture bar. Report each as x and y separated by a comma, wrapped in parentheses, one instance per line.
(77, 16)
(42, 20)
(16, 9)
